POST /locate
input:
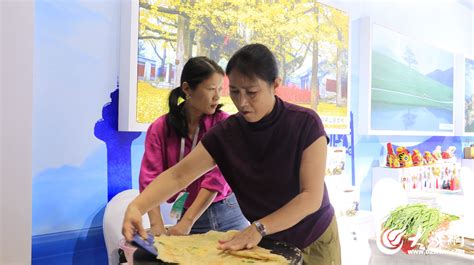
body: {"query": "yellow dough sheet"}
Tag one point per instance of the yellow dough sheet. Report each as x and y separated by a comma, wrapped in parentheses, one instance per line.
(202, 249)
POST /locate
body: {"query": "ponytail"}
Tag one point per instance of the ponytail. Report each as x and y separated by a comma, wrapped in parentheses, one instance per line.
(176, 116)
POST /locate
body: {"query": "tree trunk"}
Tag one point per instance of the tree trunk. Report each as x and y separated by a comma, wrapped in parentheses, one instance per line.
(314, 83)
(201, 39)
(339, 101)
(283, 66)
(215, 50)
(338, 78)
(183, 50)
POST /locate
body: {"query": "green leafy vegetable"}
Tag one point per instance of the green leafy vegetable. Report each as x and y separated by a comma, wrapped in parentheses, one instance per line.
(414, 216)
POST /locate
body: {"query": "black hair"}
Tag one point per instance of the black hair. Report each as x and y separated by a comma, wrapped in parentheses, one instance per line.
(195, 71)
(254, 60)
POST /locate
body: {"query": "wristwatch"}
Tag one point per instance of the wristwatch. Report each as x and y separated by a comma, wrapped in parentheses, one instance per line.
(260, 228)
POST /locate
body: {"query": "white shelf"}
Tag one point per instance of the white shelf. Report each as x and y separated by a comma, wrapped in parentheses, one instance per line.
(449, 201)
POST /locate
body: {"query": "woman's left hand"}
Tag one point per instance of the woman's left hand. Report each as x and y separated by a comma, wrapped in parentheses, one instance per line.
(181, 228)
(246, 239)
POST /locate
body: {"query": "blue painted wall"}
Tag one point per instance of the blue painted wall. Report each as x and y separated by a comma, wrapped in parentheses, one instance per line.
(80, 160)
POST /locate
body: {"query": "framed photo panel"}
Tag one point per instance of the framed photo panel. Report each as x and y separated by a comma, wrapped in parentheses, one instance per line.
(407, 85)
(468, 89)
(310, 41)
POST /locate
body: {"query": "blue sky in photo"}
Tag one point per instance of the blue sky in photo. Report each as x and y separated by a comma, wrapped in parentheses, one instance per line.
(394, 45)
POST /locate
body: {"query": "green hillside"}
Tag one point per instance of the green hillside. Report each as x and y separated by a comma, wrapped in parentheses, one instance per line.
(388, 74)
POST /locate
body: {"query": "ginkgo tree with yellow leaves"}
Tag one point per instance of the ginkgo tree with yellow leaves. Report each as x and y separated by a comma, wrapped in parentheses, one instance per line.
(309, 39)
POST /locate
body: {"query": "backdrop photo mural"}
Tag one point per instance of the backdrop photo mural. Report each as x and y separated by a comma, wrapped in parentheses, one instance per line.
(309, 39)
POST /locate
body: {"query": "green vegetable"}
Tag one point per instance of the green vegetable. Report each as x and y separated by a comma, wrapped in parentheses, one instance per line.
(413, 216)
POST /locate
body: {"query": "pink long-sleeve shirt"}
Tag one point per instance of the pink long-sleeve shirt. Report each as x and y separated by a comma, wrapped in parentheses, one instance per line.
(162, 146)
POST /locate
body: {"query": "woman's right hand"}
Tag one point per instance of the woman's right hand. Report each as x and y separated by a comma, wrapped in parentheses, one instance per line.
(132, 223)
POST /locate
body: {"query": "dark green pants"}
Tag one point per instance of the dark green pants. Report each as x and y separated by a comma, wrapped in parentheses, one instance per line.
(326, 250)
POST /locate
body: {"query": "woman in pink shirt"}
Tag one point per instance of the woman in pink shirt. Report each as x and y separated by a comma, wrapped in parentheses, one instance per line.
(210, 205)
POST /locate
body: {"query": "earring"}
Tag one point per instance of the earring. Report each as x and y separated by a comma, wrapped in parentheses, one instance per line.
(188, 97)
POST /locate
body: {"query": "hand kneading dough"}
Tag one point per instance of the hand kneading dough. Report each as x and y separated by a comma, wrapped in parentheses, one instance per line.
(202, 249)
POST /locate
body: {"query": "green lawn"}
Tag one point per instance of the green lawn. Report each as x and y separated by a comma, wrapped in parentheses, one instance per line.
(388, 74)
